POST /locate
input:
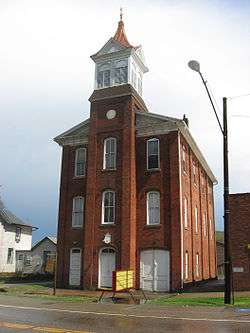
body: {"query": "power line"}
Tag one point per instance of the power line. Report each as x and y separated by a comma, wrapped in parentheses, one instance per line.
(238, 96)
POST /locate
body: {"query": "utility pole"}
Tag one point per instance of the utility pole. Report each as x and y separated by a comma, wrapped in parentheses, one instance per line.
(227, 259)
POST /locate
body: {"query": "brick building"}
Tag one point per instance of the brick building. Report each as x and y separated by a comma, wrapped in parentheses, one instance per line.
(136, 192)
(239, 219)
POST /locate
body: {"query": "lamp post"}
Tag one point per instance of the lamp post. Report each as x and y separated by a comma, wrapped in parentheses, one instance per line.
(195, 66)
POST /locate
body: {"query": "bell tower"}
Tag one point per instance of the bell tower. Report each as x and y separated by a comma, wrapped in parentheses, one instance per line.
(118, 62)
(119, 70)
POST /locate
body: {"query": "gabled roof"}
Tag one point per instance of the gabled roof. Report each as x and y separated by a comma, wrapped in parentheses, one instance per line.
(8, 217)
(176, 124)
(50, 238)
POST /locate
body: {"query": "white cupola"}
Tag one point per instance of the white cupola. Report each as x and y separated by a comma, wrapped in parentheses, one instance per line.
(118, 62)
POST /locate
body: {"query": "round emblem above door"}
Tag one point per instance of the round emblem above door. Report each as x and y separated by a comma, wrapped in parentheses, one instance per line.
(111, 114)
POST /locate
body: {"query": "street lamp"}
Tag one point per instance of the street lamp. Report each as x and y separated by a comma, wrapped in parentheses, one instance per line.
(195, 66)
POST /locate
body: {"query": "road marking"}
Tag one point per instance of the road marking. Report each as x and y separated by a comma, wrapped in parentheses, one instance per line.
(16, 325)
(19, 326)
(110, 314)
(51, 329)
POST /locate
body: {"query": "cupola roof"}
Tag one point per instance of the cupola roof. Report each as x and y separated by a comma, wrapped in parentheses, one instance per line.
(120, 35)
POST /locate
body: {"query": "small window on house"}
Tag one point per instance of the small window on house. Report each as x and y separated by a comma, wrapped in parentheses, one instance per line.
(121, 72)
(211, 229)
(103, 79)
(186, 265)
(185, 213)
(196, 219)
(202, 184)
(108, 207)
(18, 234)
(10, 256)
(28, 260)
(184, 162)
(109, 159)
(153, 154)
(205, 224)
(194, 173)
(197, 268)
(80, 162)
(78, 212)
(153, 208)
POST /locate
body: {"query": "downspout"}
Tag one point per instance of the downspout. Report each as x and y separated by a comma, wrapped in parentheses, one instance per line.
(181, 217)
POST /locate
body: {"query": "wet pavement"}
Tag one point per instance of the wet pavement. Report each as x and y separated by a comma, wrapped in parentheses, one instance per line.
(41, 315)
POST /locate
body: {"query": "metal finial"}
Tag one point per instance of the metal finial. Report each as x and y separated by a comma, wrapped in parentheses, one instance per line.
(121, 14)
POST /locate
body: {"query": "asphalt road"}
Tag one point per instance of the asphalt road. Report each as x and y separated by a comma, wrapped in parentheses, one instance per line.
(36, 315)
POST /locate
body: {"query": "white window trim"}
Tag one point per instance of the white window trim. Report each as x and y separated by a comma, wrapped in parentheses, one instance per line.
(197, 266)
(103, 196)
(159, 196)
(185, 212)
(150, 140)
(76, 158)
(73, 212)
(186, 265)
(211, 228)
(104, 153)
(205, 224)
(196, 217)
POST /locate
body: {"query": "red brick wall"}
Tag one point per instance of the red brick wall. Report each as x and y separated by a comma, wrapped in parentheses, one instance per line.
(200, 242)
(239, 217)
(68, 237)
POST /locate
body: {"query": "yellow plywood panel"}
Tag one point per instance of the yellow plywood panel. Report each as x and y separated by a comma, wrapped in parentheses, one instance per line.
(123, 280)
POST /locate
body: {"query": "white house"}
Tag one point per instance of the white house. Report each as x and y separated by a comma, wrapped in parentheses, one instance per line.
(15, 235)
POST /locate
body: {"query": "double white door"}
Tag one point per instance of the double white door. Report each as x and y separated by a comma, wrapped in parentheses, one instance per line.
(154, 270)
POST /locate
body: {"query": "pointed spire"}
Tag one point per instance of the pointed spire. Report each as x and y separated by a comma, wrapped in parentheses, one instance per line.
(120, 35)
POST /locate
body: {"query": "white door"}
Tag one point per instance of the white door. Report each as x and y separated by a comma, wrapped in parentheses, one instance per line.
(106, 267)
(154, 270)
(75, 267)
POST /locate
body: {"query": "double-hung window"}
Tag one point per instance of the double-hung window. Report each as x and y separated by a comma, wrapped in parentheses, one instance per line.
(108, 207)
(80, 162)
(153, 154)
(78, 212)
(205, 224)
(109, 160)
(18, 234)
(186, 268)
(185, 213)
(153, 208)
(196, 218)
(103, 79)
(10, 255)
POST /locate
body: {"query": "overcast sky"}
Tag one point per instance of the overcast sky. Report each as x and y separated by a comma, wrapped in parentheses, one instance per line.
(46, 78)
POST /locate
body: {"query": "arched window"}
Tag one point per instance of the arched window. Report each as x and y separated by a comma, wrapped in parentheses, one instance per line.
(205, 223)
(78, 212)
(80, 162)
(186, 265)
(153, 208)
(108, 207)
(185, 213)
(197, 262)
(153, 154)
(196, 219)
(109, 159)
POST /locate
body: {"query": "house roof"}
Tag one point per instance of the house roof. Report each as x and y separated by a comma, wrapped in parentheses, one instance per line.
(50, 238)
(153, 124)
(8, 217)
